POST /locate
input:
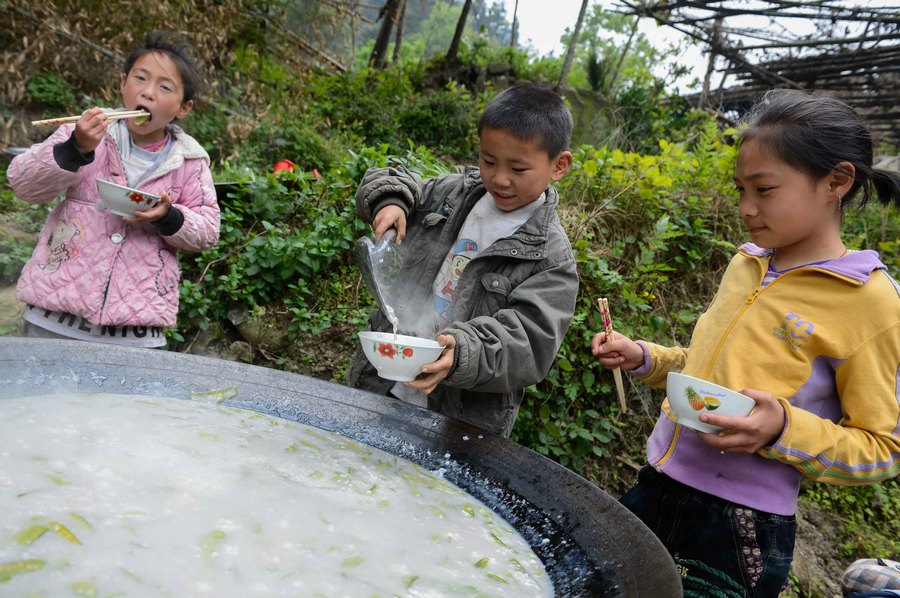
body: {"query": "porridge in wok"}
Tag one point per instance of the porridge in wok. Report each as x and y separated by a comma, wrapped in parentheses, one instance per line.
(142, 496)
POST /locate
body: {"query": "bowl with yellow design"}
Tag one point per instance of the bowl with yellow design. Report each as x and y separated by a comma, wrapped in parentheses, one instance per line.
(691, 397)
(125, 201)
(398, 356)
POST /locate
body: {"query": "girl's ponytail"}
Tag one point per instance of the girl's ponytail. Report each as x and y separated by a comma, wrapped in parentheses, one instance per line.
(886, 185)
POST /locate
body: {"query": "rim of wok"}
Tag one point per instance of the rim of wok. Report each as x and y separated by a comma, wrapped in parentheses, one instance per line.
(589, 543)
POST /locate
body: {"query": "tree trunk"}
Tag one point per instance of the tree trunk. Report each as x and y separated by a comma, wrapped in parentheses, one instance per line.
(389, 13)
(573, 42)
(354, 15)
(457, 36)
(710, 66)
(398, 39)
(615, 75)
(515, 26)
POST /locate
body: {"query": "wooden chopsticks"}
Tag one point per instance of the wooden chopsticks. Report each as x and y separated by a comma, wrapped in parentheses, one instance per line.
(110, 115)
(603, 305)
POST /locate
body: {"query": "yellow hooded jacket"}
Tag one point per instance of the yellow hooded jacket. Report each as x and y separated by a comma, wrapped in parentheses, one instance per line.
(825, 340)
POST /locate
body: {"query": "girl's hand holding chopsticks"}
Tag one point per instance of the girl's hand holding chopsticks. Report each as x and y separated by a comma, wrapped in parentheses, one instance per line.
(91, 125)
(617, 351)
(609, 336)
(89, 130)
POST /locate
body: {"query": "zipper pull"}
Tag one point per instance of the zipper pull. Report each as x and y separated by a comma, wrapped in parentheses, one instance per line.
(753, 297)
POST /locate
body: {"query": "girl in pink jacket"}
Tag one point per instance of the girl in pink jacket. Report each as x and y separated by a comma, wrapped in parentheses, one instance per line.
(102, 277)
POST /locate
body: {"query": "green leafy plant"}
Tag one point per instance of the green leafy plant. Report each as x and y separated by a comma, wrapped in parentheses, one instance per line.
(869, 513)
(13, 255)
(20, 223)
(51, 90)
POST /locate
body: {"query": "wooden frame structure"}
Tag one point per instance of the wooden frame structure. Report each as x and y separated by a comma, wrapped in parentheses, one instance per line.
(849, 48)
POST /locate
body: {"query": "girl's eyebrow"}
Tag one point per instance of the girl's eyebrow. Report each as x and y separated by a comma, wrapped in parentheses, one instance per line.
(755, 175)
(164, 78)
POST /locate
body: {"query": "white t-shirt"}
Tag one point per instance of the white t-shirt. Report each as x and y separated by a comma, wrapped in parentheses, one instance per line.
(485, 224)
(140, 163)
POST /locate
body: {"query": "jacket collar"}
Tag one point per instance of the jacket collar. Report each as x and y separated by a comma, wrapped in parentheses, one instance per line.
(183, 145)
(857, 265)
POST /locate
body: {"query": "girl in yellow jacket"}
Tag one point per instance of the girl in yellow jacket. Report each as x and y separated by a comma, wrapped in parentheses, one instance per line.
(801, 324)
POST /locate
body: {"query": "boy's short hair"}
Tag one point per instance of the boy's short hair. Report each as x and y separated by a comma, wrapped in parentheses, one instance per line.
(530, 112)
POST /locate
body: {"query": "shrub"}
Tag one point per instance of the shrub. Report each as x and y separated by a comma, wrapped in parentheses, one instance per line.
(362, 106)
(20, 222)
(51, 90)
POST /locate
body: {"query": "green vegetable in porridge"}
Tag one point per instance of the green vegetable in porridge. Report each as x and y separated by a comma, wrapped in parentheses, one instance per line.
(108, 495)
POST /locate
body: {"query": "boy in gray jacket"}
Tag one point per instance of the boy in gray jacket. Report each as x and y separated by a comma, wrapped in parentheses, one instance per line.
(487, 265)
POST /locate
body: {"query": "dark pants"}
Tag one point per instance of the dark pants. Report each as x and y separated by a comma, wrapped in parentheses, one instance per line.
(716, 543)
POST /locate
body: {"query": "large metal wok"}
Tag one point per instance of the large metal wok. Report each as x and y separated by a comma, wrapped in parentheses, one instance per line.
(595, 548)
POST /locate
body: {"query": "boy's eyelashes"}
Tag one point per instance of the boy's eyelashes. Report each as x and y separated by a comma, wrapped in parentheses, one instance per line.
(491, 163)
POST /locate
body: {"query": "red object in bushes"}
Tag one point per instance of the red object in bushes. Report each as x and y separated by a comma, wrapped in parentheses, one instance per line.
(284, 165)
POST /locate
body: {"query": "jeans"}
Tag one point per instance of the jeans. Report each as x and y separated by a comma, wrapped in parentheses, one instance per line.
(716, 543)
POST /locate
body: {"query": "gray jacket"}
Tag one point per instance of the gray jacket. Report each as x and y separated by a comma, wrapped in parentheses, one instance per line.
(514, 299)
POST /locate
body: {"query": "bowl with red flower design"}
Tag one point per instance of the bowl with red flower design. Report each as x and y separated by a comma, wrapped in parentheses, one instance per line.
(124, 201)
(691, 397)
(397, 356)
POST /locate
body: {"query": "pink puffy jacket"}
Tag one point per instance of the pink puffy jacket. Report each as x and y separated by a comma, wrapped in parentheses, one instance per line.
(89, 262)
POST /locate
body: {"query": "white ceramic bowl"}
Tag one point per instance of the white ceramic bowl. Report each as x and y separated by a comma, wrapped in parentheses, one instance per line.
(690, 397)
(398, 357)
(124, 201)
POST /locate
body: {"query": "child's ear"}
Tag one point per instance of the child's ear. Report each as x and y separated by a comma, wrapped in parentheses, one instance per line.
(185, 109)
(842, 178)
(122, 78)
(561, 165)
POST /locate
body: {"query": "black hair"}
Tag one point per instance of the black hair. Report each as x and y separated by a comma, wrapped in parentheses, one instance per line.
(814, 132)
(179, 51)
(530, 112)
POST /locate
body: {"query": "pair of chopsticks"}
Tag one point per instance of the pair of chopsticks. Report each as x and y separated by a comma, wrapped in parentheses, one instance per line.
(603, 306)
(110, 115)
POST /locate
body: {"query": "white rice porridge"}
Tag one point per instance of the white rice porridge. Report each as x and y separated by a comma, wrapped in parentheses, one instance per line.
(116, 495)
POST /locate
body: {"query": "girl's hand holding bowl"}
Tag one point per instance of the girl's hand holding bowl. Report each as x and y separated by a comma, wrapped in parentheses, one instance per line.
(125, 201)
(694, 401)
(748, 434)
(154, 214)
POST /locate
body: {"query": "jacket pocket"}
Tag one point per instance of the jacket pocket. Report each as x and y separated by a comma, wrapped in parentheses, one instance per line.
(496, 291)
(167, 276)
(494, 412)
